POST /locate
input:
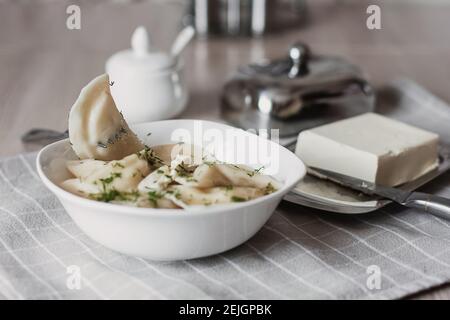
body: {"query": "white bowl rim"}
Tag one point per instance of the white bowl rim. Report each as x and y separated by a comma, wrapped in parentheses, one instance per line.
(159, 212)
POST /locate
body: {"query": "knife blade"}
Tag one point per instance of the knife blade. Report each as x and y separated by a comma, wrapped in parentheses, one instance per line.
(363, 186)
(436, 205)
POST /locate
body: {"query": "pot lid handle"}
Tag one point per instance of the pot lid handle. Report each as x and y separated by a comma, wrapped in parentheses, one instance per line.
(299, 54)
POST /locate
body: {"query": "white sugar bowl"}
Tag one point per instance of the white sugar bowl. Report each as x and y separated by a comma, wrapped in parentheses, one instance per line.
(146, 84)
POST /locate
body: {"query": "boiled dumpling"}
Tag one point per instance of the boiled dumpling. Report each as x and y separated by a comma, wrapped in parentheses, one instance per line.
(122, 175)
(84, 168)
(143, 200)
(244, 176)
(163, 151)
(80, 188)
(190, 196)
(139, 200)
(204, 176)
(165, 203)
(125, 175)
(207, 176)
(97, 130)
(190, 154)
(157, 180)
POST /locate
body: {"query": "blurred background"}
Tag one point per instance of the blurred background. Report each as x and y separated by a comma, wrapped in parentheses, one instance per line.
(43, 64)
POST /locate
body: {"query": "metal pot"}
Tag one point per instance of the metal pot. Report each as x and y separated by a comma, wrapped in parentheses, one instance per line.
(245, 17)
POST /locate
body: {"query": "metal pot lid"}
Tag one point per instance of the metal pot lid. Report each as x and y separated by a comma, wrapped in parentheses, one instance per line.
(296, 93)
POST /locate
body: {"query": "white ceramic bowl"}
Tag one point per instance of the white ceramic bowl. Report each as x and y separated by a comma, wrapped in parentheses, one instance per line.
(170, 234)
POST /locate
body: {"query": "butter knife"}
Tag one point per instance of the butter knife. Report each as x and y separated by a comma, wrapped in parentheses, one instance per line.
(436, 205)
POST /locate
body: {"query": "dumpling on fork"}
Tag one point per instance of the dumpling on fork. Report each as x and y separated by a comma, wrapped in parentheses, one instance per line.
(97, 130)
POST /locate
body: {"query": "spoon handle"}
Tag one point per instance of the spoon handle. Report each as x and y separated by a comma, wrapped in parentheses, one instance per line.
(183, 38)
(43, 136)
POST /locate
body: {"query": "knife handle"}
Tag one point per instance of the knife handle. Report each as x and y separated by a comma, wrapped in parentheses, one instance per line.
(438, 206)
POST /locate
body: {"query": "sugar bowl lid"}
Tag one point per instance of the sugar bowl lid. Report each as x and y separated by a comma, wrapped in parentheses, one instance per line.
(142, 57)
(296, 92)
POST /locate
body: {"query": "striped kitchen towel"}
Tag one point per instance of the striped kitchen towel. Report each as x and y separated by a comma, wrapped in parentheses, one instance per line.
(301, 253)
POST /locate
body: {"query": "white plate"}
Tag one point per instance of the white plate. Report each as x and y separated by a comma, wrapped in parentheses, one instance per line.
(170, 234)
(329, 196)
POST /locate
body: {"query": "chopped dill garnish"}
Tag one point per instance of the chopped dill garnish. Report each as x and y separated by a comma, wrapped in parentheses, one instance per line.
(149, 155)
(259, 169)
(269, 189)
(118, 164)
(115, 195)
(117, 136)
(111, 178)
(135, 194)
(182, 170)
(175, 193)
(102, 145)
(256, 171)
(106, 196)
(154, 196)
(107, 181)
(238, 199)
(209, 163)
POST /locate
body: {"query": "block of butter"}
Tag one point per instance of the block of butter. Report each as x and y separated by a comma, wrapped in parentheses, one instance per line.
(370, 147)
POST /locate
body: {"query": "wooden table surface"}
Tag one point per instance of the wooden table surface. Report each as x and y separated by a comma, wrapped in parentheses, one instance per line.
(43, 65)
